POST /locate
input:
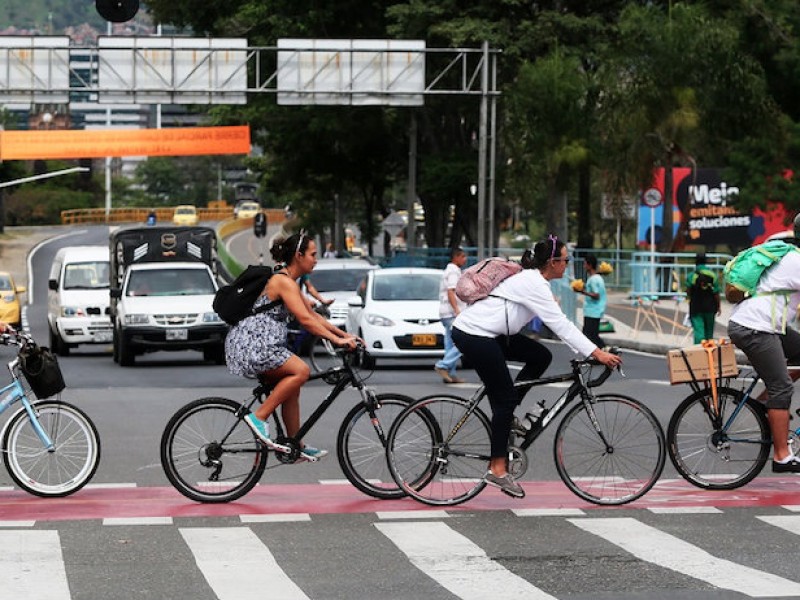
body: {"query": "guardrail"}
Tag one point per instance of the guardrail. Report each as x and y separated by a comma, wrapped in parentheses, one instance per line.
(163, 215)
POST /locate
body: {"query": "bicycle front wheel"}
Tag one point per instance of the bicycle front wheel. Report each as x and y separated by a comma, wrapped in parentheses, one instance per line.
(68, 466)
(714, 458)
(620, 462)
(438, 452)
(323, 356)
(209, 453)
(361, 446)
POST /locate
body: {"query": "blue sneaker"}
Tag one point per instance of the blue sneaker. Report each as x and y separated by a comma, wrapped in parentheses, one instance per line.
(261, 429)
(313, 454)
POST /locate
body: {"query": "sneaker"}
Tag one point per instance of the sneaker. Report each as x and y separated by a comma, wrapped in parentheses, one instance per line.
(791, 466)
(443, 374)
(261, 429)
(312, 454)
(506, 484)
(454, 379)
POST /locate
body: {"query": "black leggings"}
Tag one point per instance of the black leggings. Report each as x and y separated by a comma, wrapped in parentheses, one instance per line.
(489, 356)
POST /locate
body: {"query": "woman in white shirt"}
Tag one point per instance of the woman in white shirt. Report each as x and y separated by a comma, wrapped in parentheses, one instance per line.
(488, 334)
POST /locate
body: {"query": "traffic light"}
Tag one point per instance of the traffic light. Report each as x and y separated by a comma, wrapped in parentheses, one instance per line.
(117, 11)
(260, 225)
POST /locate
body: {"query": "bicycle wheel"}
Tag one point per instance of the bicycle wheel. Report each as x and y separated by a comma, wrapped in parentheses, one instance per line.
(209, 453)
(361, 446)
(323, 355)
(72, 462)
(437, 452)
(615, 470)
(713, 459)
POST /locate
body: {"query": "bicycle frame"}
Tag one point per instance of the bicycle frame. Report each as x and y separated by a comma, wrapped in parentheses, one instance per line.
(579, 387)
(14, 392)
(344, 377)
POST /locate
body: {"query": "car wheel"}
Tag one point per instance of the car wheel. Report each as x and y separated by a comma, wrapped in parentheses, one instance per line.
(58, 345)
(125, 354)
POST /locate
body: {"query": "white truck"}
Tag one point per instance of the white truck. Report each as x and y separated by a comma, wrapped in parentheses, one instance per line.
(77, 298)
(162, 286)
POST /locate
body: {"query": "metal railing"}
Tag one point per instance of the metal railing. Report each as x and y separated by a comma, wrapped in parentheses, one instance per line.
(163, 215)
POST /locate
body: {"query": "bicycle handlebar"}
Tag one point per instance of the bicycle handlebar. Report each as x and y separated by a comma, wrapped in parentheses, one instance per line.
(604, 374)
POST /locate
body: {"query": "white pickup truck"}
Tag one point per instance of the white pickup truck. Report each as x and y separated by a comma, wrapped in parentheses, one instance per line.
(162, 288)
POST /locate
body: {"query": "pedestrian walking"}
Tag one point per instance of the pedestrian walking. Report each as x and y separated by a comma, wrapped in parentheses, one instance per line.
(449, 308)
(594, 307)
(702, 288)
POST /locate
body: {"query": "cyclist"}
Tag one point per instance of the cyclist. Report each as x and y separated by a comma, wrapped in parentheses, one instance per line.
(488, 334)
(758, 327)
(257, 345)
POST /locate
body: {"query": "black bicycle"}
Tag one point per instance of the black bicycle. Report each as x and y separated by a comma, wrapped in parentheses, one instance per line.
(210, 454)
(609, 449)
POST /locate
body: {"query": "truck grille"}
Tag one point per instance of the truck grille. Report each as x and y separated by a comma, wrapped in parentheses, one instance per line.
(175, 320)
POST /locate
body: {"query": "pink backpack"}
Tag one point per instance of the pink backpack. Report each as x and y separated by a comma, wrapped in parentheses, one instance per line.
(477, 282)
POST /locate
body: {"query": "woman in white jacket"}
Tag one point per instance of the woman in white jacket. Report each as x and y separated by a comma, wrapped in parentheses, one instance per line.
(488, 334)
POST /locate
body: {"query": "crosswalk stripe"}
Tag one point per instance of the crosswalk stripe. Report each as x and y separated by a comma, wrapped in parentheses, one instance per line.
(790, 523)
(238, 566)
(456, 563)
(31, 566)
(662, 549)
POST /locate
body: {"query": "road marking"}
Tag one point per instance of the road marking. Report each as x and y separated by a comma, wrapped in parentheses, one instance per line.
(238, 566)
(651, 545)
(138, 521)
(277, 518)
(17, 524)
(790, 523)
(548, 512)
(456, 563)
(389, 515)
(684, 510)
(108, 486)
(32, 566)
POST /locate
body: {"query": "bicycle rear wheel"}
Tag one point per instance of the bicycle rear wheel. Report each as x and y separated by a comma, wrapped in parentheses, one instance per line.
(713, 459)
(361, 446)
(619, 469)
(209, 453)
(438, 453)
(72, 462)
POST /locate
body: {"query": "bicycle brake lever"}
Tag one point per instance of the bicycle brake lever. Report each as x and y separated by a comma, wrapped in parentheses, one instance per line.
(621, 372)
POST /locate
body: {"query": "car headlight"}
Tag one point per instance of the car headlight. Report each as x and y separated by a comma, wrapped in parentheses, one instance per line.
(379, 321)
(137, 319)
(211, 317)
(8, 297)
(72, 311)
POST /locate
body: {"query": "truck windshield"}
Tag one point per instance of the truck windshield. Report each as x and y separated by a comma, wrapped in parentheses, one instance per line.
(173, 282)
(86, 276)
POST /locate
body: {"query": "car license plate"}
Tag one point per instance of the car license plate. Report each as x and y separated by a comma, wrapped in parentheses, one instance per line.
(423, 339)
(177, 334)
(102, 336)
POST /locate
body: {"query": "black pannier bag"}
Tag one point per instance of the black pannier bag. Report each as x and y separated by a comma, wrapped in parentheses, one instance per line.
(40, 368)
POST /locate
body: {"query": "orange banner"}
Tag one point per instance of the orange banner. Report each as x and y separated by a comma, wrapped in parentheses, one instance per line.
(189, 141)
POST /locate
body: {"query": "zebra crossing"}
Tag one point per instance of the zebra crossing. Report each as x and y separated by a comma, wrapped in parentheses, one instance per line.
(529, 553)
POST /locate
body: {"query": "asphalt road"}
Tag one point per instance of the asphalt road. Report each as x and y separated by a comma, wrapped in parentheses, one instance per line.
(301, 535)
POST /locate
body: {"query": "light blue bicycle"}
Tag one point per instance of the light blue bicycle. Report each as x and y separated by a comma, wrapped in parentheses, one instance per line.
(50, 447)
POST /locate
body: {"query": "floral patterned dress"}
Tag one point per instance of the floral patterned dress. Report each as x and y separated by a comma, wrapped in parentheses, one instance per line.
(258, 343)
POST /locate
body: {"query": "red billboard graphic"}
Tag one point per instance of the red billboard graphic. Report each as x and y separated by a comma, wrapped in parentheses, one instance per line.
(708, 203)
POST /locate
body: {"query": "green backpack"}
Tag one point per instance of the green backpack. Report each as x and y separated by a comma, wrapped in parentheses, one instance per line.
(741, 274)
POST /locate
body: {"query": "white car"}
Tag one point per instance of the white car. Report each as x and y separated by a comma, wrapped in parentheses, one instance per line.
(397, 313)
(338, 279)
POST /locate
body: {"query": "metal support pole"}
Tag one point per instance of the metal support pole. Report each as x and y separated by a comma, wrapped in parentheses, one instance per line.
(411, 191)
(482, 153)
(492, 156)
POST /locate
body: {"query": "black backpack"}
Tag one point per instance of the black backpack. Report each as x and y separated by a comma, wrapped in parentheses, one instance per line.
(234, 302)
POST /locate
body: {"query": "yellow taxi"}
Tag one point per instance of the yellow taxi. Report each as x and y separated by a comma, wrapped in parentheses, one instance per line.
(185, 215)
(248, 210)
(9, 300)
